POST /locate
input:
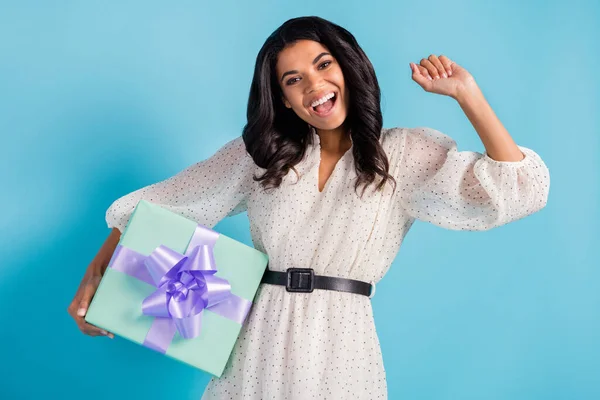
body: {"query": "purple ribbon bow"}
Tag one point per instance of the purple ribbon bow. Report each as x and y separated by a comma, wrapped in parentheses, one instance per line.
(186, 286)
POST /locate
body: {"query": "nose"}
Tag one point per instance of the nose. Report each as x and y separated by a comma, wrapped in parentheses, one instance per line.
(315, 82)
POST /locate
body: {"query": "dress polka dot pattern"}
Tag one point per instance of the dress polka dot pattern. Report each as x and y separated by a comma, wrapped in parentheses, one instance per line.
(324, 345)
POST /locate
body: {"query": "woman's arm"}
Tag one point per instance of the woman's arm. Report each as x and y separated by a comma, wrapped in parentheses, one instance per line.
(443, 76)
(498, 143)
(205, 192)
(464, 190)
(91, 279)
(100, 262)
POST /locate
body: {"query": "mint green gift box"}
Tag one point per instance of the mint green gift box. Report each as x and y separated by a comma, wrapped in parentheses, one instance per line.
(117, 304)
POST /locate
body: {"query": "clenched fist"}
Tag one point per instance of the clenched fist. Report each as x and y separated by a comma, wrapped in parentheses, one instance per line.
(442, 76)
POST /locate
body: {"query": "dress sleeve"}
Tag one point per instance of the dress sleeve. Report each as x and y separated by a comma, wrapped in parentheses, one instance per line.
(204, 192)
(466, 190)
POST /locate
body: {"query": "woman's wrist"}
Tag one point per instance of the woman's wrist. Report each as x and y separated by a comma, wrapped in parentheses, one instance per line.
(102, 259)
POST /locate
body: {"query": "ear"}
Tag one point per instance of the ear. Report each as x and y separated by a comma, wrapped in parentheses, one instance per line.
(286, 103)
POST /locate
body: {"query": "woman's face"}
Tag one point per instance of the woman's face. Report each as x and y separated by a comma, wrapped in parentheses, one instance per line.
(308, 75)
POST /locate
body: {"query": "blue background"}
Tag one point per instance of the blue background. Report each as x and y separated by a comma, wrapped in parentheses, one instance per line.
(101, 98)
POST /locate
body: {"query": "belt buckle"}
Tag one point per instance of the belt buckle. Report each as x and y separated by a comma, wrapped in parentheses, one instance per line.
(373, 287)
(300, 280)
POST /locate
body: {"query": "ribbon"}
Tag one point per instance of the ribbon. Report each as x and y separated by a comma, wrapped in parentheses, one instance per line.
(186, 285)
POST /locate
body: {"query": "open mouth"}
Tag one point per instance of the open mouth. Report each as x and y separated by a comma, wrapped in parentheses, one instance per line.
(323, 110)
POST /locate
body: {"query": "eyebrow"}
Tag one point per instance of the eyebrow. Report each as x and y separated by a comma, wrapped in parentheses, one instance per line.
(317, 58)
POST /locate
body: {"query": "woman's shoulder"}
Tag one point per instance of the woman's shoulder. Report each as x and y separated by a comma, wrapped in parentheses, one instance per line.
(392, 138)
(419, 142)
(400, 136)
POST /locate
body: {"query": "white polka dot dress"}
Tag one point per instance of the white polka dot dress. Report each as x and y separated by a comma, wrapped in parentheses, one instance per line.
(324, 345)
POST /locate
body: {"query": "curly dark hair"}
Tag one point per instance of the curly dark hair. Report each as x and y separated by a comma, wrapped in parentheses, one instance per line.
(277, 138)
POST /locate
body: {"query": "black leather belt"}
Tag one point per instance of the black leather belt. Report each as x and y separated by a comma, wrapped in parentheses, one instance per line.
(304, 280)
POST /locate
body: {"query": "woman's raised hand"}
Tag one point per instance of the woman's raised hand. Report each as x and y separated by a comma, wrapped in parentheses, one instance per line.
(442, 76)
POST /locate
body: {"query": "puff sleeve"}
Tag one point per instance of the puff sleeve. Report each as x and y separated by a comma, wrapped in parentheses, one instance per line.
(204, 192)
(465, 190)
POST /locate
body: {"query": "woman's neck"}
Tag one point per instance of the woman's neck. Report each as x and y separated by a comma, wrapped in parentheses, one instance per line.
(335, 141)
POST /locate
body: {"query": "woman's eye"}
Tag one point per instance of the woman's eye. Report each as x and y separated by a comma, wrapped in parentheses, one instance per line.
(323, 65)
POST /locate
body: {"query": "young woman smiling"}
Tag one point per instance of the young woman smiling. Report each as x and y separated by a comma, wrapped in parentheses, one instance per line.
(314, 110)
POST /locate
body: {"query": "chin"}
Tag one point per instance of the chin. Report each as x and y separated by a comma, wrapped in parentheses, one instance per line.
(328, 125)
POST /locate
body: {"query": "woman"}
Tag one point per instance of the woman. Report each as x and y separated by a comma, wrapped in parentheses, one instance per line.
(314, 110)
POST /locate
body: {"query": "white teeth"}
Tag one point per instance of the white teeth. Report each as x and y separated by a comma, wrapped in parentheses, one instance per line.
(322, 100)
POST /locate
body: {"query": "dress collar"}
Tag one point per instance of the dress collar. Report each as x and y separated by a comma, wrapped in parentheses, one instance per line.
(346, 162)
(317, 140)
